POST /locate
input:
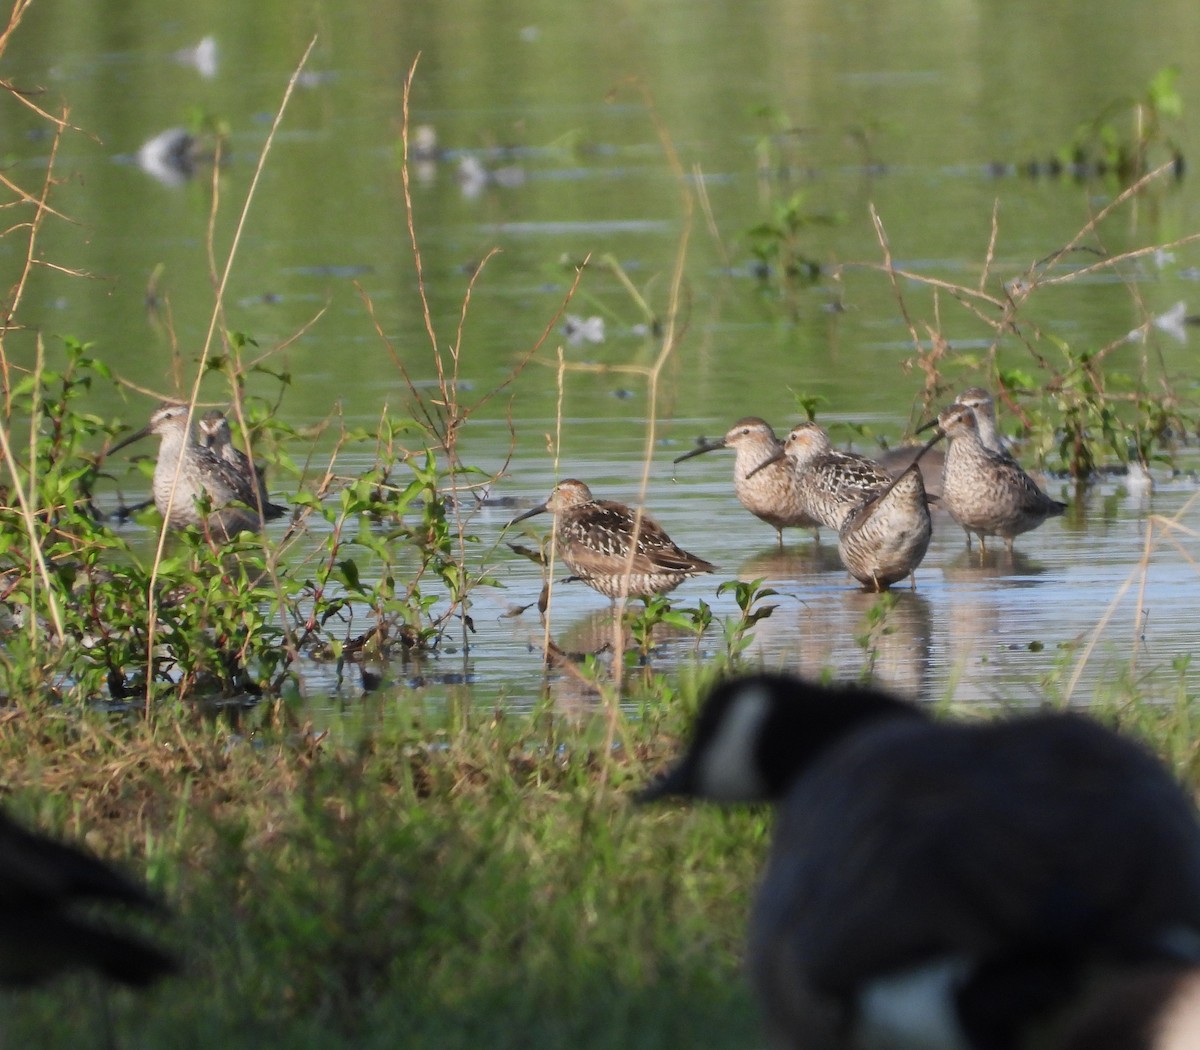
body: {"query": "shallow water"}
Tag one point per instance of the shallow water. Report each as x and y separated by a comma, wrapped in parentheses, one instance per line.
(918, 111)
(973, 629)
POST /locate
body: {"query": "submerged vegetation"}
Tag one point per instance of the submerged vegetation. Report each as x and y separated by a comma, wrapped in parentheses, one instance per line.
(414, 873)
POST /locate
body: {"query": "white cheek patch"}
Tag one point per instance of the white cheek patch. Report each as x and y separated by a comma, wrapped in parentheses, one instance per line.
(727, 770)
(1180, 1029)
(913, 1009)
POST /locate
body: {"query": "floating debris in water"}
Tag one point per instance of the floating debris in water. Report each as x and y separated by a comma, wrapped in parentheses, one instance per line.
(580, 330)
(474, 178)
(1173, 321)
(170, 157)
(203, 57)
(314, 78)
(424, 153)
(331, 270)
(423, 144)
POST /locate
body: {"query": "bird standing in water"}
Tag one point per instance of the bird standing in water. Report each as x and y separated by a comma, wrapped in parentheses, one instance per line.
(830, 482)
(215, 435)
(613, 549)
(986, 491)
(885, 538)
(767, 492)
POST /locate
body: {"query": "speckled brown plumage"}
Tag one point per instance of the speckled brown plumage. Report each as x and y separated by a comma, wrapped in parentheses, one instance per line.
(215, 436)
(885, 538)
(768, 493)
(606, 546)
(987, 492)
(830, 482)
(186, 474)
(932, 461)
(980, 402)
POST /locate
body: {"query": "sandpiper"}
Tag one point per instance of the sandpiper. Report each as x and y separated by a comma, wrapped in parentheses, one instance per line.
(932, 461)
(934, 883)
(831, 482)
(885, 538)
(186, 475)
(980, 402)
(987, 492)
(769, 493)
(613, 549)
(215, 435)
(50, 893)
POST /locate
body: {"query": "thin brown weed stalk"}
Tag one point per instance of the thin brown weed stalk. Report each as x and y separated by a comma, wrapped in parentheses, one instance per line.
(446, 415)
(1077, 381)
(215, 317)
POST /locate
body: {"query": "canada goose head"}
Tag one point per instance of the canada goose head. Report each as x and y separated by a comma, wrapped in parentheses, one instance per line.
(756, 734)
(949, 885)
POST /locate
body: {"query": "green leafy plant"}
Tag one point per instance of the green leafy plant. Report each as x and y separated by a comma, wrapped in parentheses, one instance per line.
(1130, 136)
(748, 595)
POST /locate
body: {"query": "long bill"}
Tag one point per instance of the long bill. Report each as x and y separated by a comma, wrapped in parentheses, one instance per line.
(137, 435)
(699, 450)
(540, 509)
(931, 442)
(775, 458)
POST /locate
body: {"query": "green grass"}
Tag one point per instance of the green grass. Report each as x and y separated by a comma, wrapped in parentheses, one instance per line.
(408, 883)
(420, 878)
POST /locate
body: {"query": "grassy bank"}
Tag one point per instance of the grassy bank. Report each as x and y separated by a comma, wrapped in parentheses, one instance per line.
(415, 878)
(417, 881)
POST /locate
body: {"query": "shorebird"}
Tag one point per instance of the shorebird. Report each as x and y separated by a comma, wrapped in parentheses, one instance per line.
(610, 548)
(831, 483)
(885, 538)
(187, 475)
(42, 882)
(987, 492)
(932, 461)
(945, 885)
(215, 435)
(769, 493)
(980, 402)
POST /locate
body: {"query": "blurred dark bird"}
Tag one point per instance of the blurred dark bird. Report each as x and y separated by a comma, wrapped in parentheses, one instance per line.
(51, 895)
(979, 886)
